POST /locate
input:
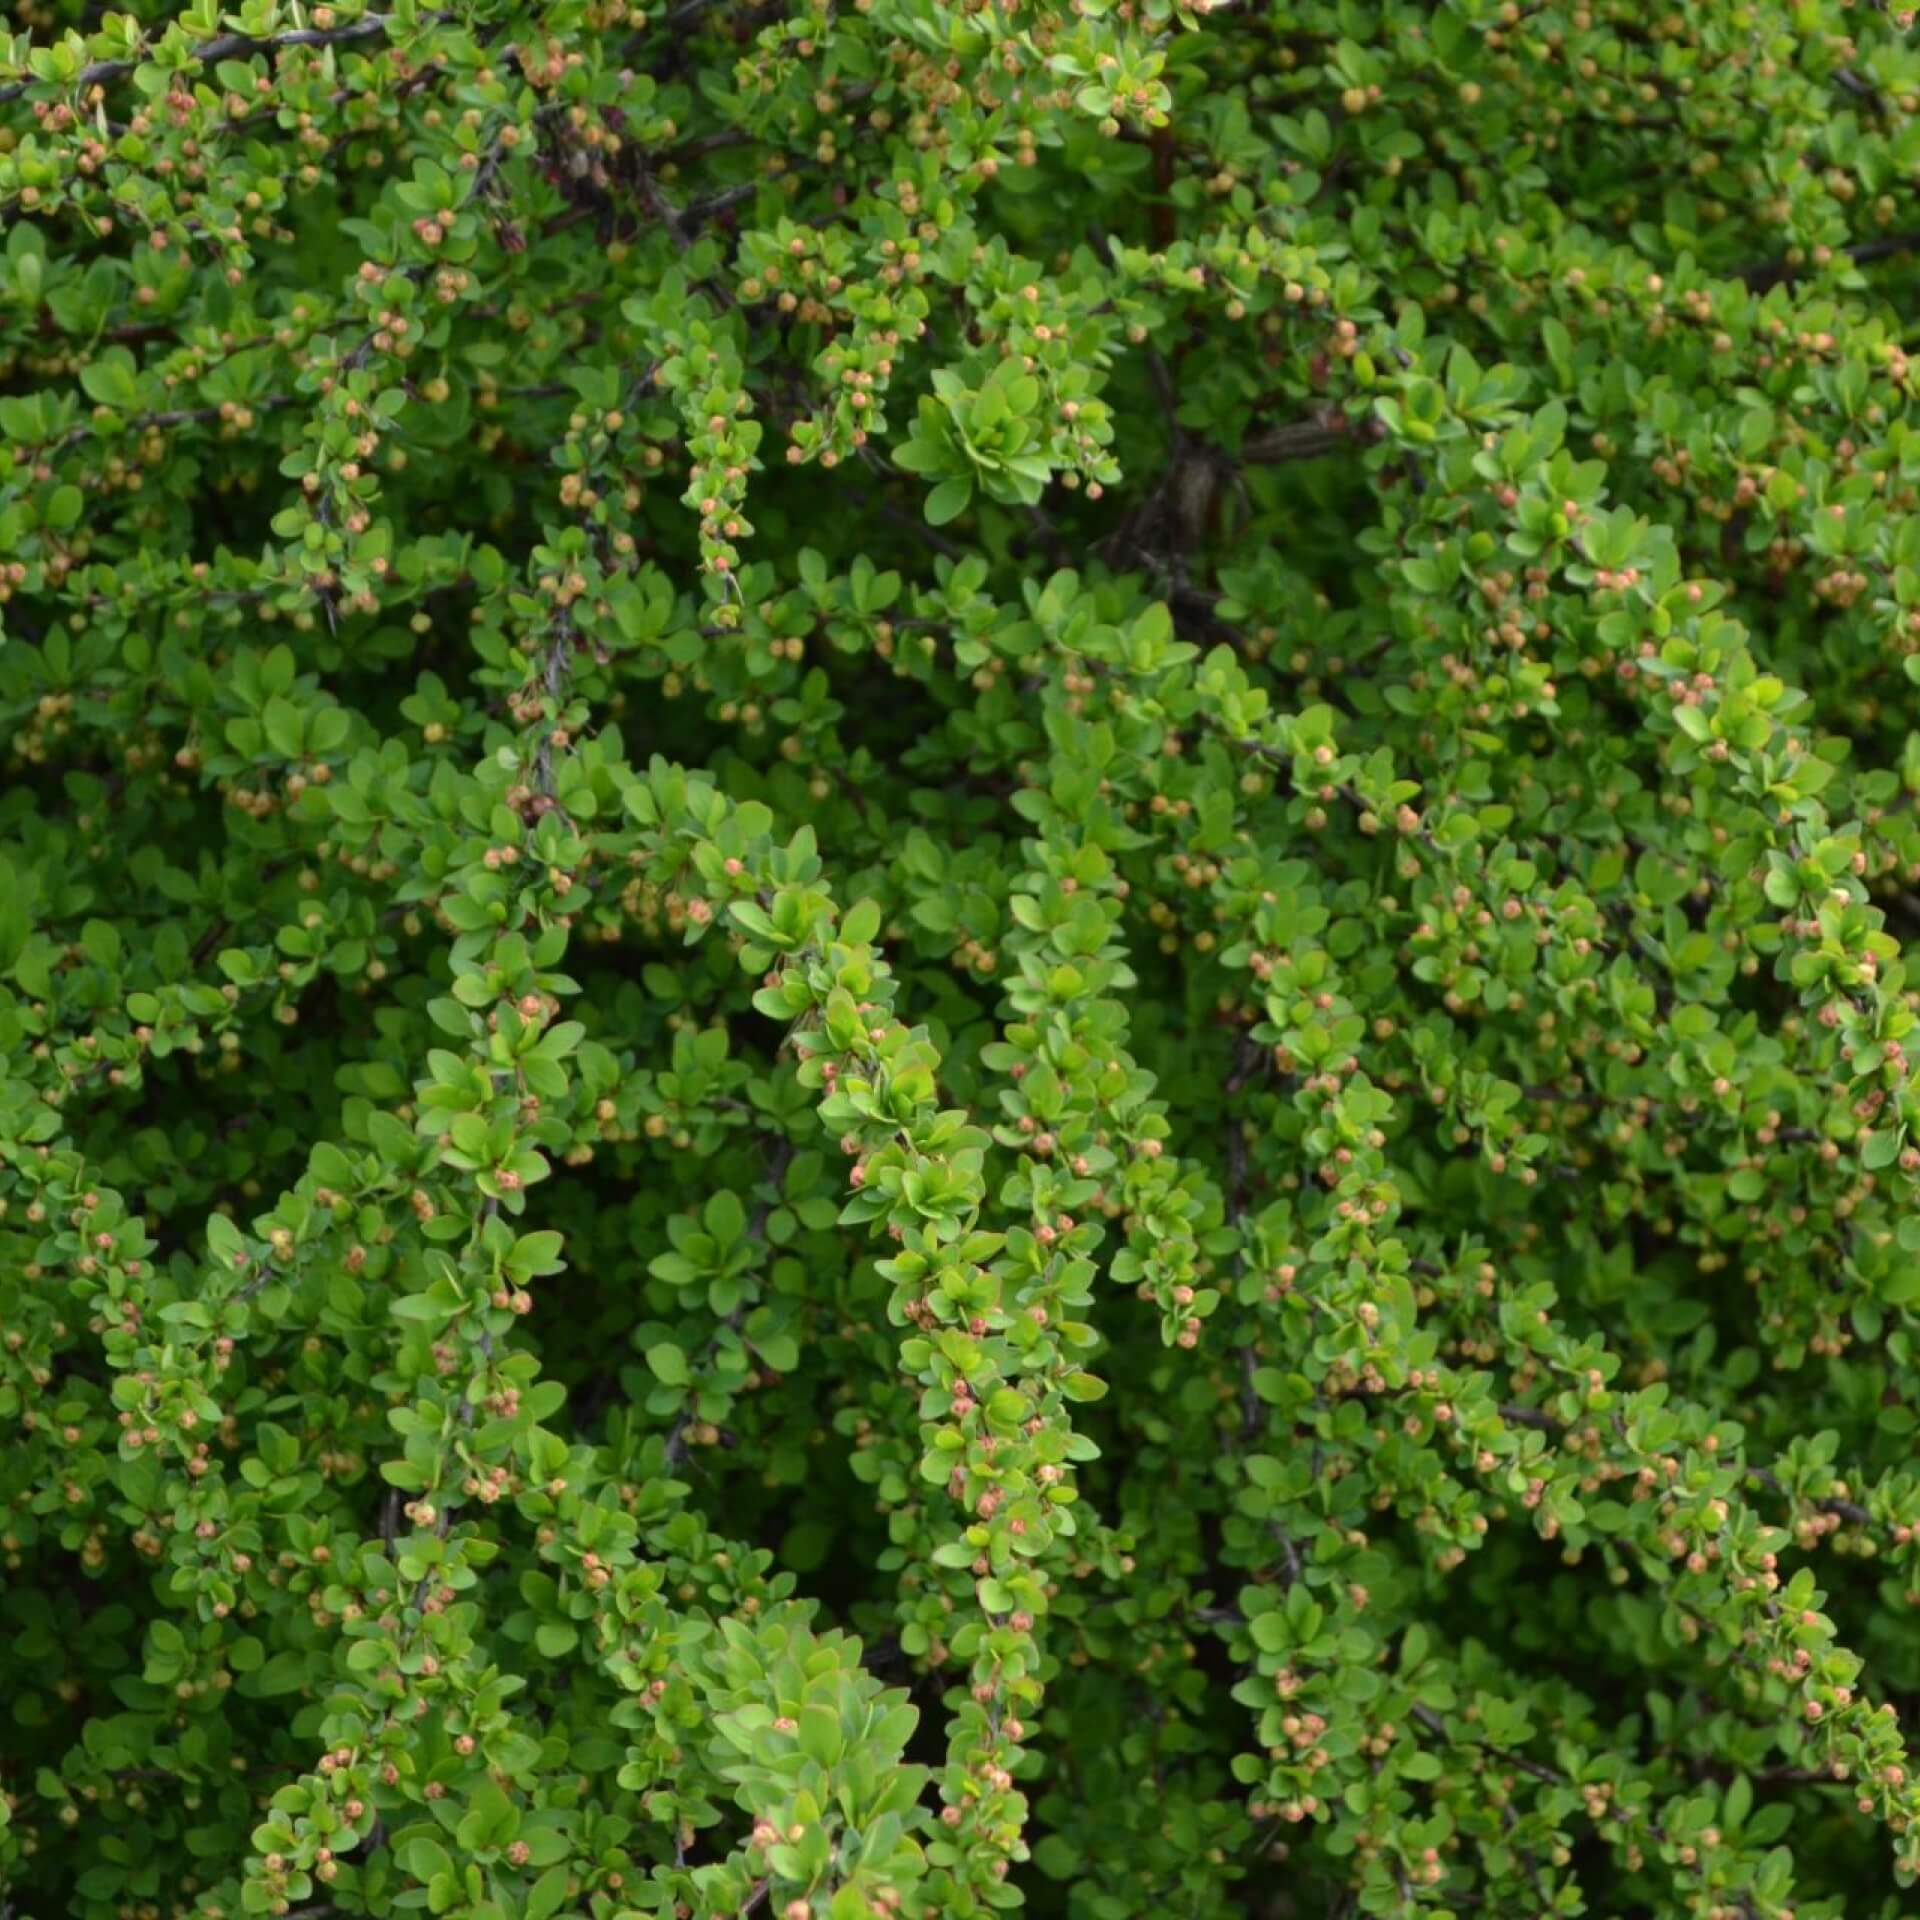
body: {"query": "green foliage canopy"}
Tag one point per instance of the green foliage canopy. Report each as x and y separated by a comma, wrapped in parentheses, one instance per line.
(945, 959)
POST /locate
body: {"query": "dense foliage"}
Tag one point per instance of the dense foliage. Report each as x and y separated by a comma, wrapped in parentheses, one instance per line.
(947, 957)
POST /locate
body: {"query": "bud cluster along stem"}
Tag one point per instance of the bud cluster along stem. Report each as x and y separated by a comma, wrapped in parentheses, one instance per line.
(995, 1381)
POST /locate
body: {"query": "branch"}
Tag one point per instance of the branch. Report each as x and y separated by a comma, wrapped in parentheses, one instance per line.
(235, 46)
(1436, 1725)
(178, 417)
(1307, 440)
(697, 213)
(1531, 1417)
(1769, 273)
(1848, 1510)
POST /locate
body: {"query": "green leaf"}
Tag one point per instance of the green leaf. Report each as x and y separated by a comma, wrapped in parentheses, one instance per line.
(547, 1895)
(949, 499)
(669, 1364)
(64, 507)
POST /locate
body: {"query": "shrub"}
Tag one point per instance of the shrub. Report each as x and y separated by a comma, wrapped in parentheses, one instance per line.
(944, 959)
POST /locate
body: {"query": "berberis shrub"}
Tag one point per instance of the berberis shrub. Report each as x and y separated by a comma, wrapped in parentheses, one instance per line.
(950, 955)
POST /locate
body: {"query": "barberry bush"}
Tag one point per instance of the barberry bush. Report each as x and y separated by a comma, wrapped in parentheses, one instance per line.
(951, 956)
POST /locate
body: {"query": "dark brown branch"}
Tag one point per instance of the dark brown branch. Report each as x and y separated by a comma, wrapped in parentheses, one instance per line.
(1307, 440)
(1434, 1724)
(1848, 1510)
(1771, 273)
(1531, 1417)
(235, 46)
(698, 212)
